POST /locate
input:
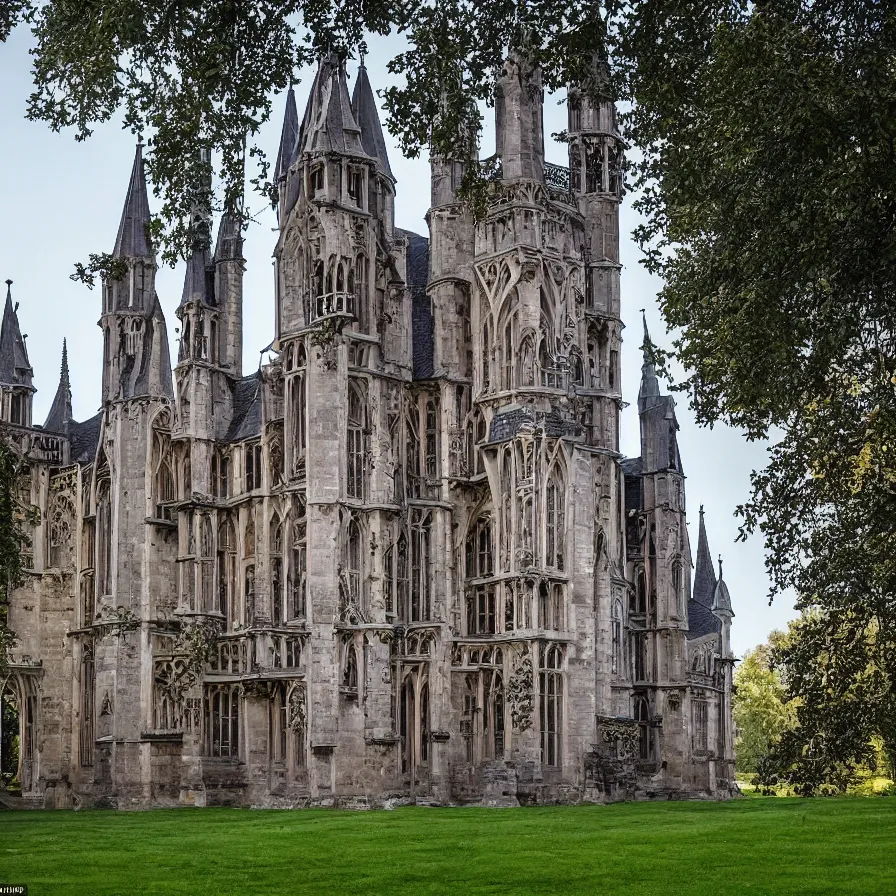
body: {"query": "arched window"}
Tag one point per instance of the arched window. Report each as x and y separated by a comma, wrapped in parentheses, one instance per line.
(163, 474)
(276, 571)
(479, 551)
(227, 563)
(353, 562)
(421, 526)
(402, 580)
(486, 367)
(493, 716)
(645, 738)
(298, 562)
(206, 564)
(616, 634)
(678, 604)
(431, 465)
(640, 591)
(297, 423)
(550, 704)
(222, 721)
(103, 538)
(555, 521)
(414, 465)
(355, 467)
(221, 474)
(61, 531)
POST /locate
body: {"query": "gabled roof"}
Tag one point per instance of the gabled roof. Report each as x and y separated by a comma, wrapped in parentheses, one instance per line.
(84, 439)
(15, 368)
(60, 417)
(364, 108)
(132, 239)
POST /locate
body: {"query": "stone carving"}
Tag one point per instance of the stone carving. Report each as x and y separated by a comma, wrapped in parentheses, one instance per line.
(520, 699)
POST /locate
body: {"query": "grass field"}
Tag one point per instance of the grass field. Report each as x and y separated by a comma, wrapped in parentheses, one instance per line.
(754, 846)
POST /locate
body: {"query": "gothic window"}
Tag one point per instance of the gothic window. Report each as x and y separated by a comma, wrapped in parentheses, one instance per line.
(414, 471)
(550, 606)
(222, 721)
(163, 475)
(61, 532)
(481, 607)
(353, 562)
(221, 474)
(254, 467)
(550, 704)
(298, 567)
(356, 186)
(278, 723)
(639, 656)
(206, 564)
(414, 722)
(355, 445)
(421, 529)
(493, 716)
(249, 593)
(677, 593)
(640, 591)
(276, 571)
(88, 690)
(431, 465)
(645, 737)
(618, 662)
(479, 556)
(103, 537)
(700, 711)
(555, 520)
(402, 579)
(316, 180)
(297, 422)
(226, 569)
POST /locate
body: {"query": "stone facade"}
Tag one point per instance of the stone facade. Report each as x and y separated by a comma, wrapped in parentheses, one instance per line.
(405, 559)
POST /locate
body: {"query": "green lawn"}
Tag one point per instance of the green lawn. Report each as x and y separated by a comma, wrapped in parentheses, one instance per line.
(756, 846)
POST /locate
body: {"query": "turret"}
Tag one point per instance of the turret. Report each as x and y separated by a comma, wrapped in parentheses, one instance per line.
(60, 417)
(137, 361)
(519, 126)
(721, 608)
(16, 386)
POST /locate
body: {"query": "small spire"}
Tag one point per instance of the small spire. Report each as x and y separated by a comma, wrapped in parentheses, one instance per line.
(649, 391)
(720, 567)
(704, 574)
(289, 134)
(15, 368)
(328, 124)
(60, 415)
(365, 111)
(132, 240)
(9, 290)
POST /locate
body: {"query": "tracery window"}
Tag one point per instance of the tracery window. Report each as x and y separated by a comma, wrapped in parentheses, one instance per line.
(555, 521)
(254, 466)
(162, 472)
(678, 603)
(618, 661)
(222, 721)
(481, 606)
(479, 550)
(550, 681)
(414, 469)
(353, 558)
(639, 656)
(431, 465)
(276, 571)
(413, 721)
(297, 418)
(61, 531)
(226, 570)
(700, 711)
(355, 445)
(206, 564)
(103, 537)
(645, 734)
(221, 474)
(299, 562)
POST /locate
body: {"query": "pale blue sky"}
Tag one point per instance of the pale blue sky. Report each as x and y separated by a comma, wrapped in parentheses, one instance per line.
(61, 200)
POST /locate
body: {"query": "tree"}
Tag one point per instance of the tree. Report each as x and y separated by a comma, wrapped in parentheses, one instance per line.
(762, 712)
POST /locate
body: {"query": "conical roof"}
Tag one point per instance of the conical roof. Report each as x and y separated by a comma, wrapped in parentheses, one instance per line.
(367, 116)
(15, 369)
(704, 573)
(289, 136)
(721, 599)
(649, 391)
(132, 239)
(60, 415)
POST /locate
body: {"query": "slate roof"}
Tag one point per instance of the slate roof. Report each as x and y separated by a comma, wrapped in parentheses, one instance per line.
(132, 238)
(289, 136)
(15, 369)
(84, 439)
(246, 421)
(632, 466)
(422, 337)
(60, 416)
(199, 279)
(368, 119)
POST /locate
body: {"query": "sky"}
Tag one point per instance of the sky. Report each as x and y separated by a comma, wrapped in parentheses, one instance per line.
(61, 200)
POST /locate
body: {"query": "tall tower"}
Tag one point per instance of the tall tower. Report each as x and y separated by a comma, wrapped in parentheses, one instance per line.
(134, 568)
(661, 574)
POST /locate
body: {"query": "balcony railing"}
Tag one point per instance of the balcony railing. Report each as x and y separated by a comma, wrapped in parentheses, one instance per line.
(556, 178)
(333, 304)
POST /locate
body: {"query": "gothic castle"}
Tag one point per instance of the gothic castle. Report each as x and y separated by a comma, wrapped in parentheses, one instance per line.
(403, 560)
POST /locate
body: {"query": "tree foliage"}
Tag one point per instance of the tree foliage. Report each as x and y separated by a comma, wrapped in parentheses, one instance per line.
(762, 712)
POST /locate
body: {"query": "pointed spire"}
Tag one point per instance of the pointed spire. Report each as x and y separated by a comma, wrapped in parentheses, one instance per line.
(289, 136)
(132, 239)
(721, 599)
(649, 390)
(366, 114)
(329, 124)
(60, 416)
(704, 574)
(15, 368)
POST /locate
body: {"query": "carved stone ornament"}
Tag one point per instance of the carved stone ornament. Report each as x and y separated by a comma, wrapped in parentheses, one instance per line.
(519, 693)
